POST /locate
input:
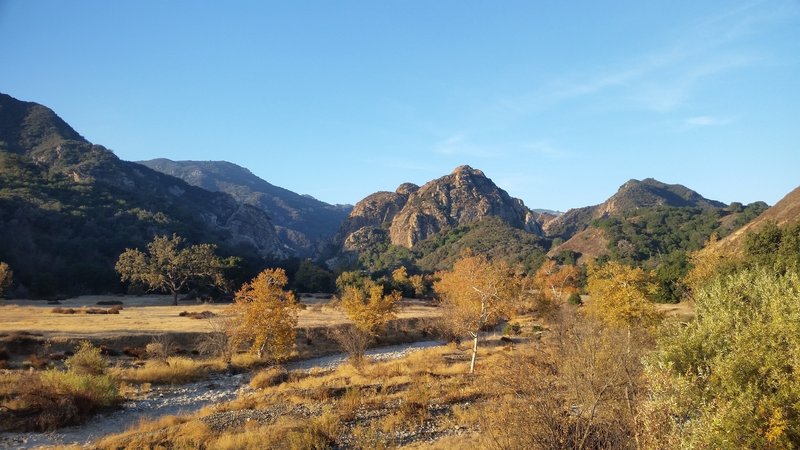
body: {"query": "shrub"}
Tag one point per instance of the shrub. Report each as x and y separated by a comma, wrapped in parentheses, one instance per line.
(512, 329)
(173, 370)
(41, 402)
(269, 377)
(197, 315)
(352, 341)
(575, 299)
(87, 360)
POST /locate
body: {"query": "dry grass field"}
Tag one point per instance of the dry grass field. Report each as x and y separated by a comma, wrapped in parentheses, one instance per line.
(152, 315)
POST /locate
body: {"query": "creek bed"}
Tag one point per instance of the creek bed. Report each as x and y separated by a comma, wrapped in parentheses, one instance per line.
(181, 400)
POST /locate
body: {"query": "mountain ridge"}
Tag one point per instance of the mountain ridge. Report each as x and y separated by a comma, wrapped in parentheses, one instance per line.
(301, 221)
(74, 206)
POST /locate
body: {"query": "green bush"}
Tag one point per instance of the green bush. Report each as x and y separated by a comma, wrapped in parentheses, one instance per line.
(87, 360)
(575, 299)
(99, 390)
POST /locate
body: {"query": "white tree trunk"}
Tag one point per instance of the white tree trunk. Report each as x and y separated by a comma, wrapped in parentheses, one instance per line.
(474, 353)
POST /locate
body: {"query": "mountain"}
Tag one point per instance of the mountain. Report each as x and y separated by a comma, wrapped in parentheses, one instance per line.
(785, 212)
(72, 207)
(631, 196)
(385, 222)
(465, 196)
(302, 222)
(645, 219)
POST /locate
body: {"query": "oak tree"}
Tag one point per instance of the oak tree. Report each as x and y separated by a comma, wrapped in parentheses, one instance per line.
(170, 266)
(265, 315)
(6, 275)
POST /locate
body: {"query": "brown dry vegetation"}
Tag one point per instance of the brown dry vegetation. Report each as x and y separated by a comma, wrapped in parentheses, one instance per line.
(564, 386)
(381, 405)
(150, 315)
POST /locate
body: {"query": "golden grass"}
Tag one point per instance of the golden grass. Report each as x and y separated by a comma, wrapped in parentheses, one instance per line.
(365, 406)
(173, 370)
(152, 315)
(269, 377)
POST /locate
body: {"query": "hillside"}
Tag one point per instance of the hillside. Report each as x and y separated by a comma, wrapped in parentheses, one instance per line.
(644, 219)
(302, 222)
(785, 212)
(73, 206)
(631, 196)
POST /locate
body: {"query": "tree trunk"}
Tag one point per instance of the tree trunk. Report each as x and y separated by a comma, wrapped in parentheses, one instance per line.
(261, 350)
(175, 298)
(474, 353)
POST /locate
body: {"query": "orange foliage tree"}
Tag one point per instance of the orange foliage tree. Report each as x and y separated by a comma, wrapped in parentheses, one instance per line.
(265, 315)
(476, 293)
(620, 295)
(368, 307)
(556, 282)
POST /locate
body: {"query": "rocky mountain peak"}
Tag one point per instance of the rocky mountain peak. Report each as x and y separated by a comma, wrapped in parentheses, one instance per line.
(407, 189)
(414, 213)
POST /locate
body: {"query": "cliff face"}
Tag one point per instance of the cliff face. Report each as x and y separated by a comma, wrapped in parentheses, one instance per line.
(372, 216)
(463, 197)
(412, 214)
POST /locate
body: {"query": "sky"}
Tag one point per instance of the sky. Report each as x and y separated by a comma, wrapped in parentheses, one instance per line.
(559, 103)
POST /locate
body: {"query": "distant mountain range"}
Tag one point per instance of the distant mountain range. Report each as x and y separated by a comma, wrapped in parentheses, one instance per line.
(303, 223)
(69, 207)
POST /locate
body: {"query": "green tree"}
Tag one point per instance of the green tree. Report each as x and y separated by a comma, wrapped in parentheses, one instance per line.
(166, 266)
(312, 278)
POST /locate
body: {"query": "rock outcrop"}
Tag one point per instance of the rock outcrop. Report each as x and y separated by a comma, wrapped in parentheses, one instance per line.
(412, 214)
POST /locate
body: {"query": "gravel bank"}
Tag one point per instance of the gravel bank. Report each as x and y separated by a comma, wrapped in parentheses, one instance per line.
(183, 399)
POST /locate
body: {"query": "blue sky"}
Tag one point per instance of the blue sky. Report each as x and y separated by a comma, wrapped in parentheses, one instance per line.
(558, 102)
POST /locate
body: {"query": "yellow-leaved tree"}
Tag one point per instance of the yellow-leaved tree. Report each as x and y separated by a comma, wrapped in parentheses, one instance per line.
(265, 315)
(620, 295)
(556, 282)
(475, 294)
(368, 307)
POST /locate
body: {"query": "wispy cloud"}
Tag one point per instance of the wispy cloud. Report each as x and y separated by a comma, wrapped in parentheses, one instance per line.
(666, 78)
(460, 144)
(546, 149)
(707, 121)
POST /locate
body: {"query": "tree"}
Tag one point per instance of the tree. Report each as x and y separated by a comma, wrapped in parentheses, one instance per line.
(620, 295)
(476, 293)
(313, 278)
(168, 267)
(556, 282)
(265, 315)
(368, 307)
(6, 276)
